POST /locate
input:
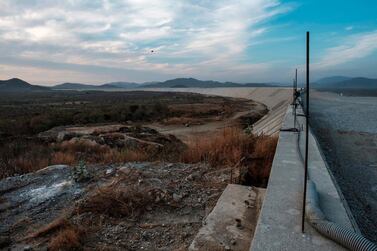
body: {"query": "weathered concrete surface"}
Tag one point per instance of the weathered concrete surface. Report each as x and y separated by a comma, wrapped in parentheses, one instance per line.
(231, 223)
(279, 224)
(275, 98)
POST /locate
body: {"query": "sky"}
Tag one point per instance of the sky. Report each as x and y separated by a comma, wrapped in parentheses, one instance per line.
(96, 41)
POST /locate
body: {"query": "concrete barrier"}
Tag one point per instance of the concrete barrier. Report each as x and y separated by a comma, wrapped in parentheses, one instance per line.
(279, 223)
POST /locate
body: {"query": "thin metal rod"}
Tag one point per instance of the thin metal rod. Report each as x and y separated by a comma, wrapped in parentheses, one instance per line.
(306, 132)
(294, 100)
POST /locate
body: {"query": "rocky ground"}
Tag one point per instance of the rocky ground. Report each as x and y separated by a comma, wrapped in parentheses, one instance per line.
(170, 204)
(117, 136)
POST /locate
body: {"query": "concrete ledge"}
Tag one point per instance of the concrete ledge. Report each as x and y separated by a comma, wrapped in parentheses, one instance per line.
(279, 223)
(231, 224)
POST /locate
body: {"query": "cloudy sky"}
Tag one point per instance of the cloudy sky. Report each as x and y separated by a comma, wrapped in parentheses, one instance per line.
(95, 41)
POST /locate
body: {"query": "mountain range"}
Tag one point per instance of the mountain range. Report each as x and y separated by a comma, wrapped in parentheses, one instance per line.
(15, 84)
(335, 82)
(340, 82)
(195, 83)
(112, 85)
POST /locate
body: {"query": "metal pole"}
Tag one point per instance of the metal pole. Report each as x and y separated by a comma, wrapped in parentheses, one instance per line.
(306, 131)
(294, 99)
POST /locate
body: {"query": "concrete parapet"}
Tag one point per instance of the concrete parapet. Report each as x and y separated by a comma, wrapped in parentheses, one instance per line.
(279, 223)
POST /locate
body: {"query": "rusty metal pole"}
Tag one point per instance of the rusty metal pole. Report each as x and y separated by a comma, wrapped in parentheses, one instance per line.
(306, 132)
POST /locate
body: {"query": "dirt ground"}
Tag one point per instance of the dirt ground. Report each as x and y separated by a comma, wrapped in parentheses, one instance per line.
(250, 113)
(183, 195)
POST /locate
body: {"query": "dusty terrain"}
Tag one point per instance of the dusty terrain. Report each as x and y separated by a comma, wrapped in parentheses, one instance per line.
(25, 116)
(347, 133)
(275, 99)
(178, 196)
(112, 197)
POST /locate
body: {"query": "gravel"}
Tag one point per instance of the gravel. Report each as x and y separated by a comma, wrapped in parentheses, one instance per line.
(347, 132)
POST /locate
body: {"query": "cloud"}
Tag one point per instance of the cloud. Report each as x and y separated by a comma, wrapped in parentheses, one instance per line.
(353, 47)
(188, 37)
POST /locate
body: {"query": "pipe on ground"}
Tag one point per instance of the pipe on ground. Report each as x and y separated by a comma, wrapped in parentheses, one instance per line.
(345, 237)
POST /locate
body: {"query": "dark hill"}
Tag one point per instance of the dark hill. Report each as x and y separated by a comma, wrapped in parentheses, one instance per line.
(349, 83)
(74, 86)
(124, 85)
(192, 82)
(78, 86)
(331, 80)
(18, 85)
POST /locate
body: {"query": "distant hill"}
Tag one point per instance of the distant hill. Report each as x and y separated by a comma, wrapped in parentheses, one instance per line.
(112, 85)
(195, 83)
(331, 80)
(125, 85)
(18, 85)
(173, 83)
(74, 86)
(347, 83)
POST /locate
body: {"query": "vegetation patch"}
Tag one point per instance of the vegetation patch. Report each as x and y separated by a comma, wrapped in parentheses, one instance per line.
(249, 156)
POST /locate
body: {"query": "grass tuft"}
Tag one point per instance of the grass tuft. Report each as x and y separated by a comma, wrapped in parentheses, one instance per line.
(234, 148)
(68, 238)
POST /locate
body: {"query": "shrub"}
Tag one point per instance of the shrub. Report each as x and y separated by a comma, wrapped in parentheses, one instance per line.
(80, 173)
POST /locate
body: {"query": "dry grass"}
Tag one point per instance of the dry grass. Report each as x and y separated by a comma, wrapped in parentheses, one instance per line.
(124, 197)
(22, 156)
(118, 202)
(53, 226)
(63, 158)
(224, 148)
(68, 238)
(233, 148)
(230, 147)
(179, 121)
(29, 164)
(257, 167)
(71, 153)
(65, 236)
(25, 157)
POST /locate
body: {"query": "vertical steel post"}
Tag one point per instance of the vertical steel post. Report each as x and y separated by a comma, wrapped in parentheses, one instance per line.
(307, 132)
(294, 99)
